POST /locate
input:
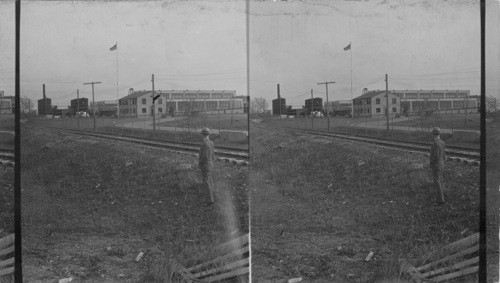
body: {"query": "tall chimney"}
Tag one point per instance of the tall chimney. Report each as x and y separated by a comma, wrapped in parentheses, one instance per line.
(44, 92)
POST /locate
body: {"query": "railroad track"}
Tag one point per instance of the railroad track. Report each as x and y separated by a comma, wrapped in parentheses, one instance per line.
(452, 152)
(225, 153)
(7, 157)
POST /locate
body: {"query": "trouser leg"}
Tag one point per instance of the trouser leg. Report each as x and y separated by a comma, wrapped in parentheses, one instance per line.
(438, 184)
(207, 183)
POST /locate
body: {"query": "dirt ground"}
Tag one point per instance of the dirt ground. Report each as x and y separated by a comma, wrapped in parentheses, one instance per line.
(90, 206)
(319, 206)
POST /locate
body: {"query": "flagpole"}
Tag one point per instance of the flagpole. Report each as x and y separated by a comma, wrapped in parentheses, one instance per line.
(117, 100)
(352, 102)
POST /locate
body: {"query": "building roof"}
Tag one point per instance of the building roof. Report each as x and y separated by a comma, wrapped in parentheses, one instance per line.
(136, 94)
(370, 94)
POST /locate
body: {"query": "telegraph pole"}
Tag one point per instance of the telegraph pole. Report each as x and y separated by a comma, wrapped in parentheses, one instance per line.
(153, 110)
(279, 99)
(45, 101)
(78, 108)
(93, 101)
(387, 100)
(312, 116)
(327, 109)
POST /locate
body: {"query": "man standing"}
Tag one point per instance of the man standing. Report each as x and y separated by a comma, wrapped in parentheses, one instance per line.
(436, 163)
(206, 164)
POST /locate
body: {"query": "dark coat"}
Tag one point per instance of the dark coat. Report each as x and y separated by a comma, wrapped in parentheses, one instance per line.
(437, 155)
(207, 153)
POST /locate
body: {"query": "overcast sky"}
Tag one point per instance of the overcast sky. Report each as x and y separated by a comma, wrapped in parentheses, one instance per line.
(185, 44)
(201, 44)
(419, 44)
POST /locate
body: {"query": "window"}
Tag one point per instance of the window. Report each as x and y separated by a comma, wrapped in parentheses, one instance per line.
(378, 102)
(394, 110)
(160, 110)
(143, 102)
(394, 101)
(160, 101)
(143, 110)
(133, 110)
(378, 110)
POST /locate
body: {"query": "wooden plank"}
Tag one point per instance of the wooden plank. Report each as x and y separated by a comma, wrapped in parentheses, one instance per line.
(449, 258)
(462, 244)
(461, 273)
(6, 271)
(6, 241)
(239, 272)
(227, 267)
(178, 268)
(7, 251)
(412, 271)
(220, 259)
(236, 242)
(456, 266)
(7, 262)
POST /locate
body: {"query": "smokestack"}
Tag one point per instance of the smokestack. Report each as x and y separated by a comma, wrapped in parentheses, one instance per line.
(44, 92)
(279, 96)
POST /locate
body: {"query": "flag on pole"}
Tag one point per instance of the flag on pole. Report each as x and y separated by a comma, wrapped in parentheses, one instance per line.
(347, 47)
(114, 47)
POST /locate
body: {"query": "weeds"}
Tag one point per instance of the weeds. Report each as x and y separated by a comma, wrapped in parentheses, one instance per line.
(316, 196)
(90, 206)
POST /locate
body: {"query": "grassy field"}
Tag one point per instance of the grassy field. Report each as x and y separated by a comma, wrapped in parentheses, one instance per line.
(456, 121)
(492, 204)
(137, 127)
(7, 127)
(6, 208)
(345, 126)
(318, 207)
(90, 206)
(6, 200)
(214, 122)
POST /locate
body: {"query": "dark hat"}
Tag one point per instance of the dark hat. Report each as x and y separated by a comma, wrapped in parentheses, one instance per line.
(436, 130)
(205, 131)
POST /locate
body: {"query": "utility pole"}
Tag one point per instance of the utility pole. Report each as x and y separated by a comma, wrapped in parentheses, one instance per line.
(78, 108)
(279, 100)
(327, 109)
(387, 100)
(45, 101)
(153, 110)
(93, 101)
(155, 97)
(232, 109)
(312, 116)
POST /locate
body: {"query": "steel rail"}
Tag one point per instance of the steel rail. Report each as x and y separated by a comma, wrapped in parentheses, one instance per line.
(451, 151)
(228, 152)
